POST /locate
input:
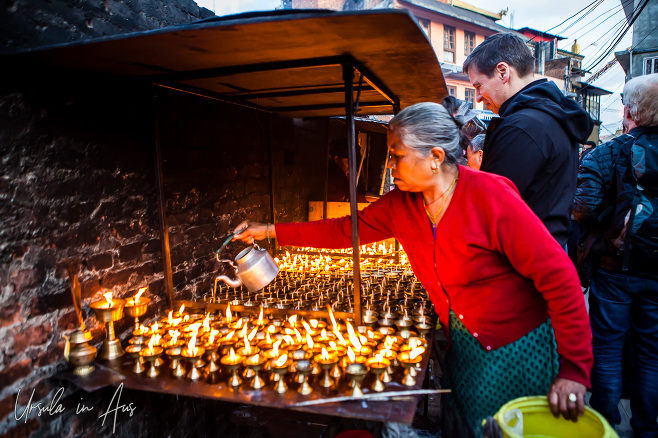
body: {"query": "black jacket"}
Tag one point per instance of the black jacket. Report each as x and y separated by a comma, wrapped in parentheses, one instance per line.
(599, 181)
(535, 144)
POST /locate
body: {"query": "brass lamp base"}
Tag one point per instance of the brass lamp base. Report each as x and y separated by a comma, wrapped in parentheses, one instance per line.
(111, 349)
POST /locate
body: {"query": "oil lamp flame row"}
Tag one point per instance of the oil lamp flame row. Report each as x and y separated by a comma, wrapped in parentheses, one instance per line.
(416, 352)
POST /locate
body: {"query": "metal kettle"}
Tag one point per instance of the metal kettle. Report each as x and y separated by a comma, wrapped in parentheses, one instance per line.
(254, 268)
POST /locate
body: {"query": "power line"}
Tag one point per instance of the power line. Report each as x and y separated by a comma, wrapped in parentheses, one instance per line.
(616, 10)
(560, 24)
(612, 46)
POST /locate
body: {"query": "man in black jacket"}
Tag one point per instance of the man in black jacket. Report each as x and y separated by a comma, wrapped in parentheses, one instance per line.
(535, 141)
(623, 301)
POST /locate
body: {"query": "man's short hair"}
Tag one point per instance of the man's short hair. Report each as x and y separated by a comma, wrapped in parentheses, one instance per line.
(641, 96)
(501, 47)
(589, 143)
(477, 143)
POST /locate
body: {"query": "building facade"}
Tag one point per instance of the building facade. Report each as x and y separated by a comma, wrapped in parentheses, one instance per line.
(642, 57)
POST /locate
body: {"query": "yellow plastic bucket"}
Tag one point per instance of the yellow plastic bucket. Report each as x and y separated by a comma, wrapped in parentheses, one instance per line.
(539, 422)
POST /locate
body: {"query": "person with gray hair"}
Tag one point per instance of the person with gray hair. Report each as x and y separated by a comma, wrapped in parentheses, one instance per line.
(535, 140)
(516, 317)
(474, 152)
(616, 179)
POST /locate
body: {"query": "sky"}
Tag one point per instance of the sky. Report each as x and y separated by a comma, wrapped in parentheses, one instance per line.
(595, 29)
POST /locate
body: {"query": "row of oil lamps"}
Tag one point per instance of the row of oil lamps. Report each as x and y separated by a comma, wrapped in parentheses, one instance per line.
(305, 347)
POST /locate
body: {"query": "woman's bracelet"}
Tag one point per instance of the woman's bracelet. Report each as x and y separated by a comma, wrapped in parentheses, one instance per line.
(267, 232)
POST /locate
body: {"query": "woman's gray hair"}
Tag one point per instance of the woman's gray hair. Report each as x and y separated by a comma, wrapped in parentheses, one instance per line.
(641, 96)
(426, 125)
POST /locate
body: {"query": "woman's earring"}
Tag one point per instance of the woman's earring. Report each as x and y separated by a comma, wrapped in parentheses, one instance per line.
(435, 170)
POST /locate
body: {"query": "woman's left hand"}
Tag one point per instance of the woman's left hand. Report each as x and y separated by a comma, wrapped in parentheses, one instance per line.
(568, 398)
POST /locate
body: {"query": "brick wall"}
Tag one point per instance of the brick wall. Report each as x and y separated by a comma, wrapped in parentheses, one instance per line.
(77, 186)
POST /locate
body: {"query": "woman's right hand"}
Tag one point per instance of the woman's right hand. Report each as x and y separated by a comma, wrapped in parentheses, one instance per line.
(249, 231)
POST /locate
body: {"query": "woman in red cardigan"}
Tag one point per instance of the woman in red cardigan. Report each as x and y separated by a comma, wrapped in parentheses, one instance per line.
(505, 288)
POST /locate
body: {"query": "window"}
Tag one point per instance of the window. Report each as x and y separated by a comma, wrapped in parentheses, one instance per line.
(452, 91)
(469, 96)
(449, 44)
(650, 65)
(469, 42)
(425, 24)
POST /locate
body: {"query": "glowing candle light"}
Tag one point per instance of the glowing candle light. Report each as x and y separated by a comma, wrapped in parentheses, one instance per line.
(314, 323)
(229, 317)
(252, 335)
(325, 354)
(282, 360)
(206, 323)
(351, 355)
(108, 297)
(154, 327)
(288, 340)
(174, 336)
(191, 346)
(213, 333)
(293, 321)
(182, 309)
(299, 336)
(230, 335)
(275, 347)
(260, 317)
(254, 360)
(171, 315)
(139, 293)
(416, 352)
(271, 329)
(309, 341)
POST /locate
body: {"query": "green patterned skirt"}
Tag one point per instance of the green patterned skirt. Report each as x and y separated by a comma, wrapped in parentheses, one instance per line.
(483, 381)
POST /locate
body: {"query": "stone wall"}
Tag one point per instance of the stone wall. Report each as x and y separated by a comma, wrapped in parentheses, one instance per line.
(25, 24)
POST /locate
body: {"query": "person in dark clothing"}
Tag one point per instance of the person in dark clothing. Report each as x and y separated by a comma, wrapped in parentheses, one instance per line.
(623, 302)
(588, 147)
(535, 140)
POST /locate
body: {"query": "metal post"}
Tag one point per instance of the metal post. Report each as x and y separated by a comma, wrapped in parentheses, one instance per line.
(164, 228)
(348, 78)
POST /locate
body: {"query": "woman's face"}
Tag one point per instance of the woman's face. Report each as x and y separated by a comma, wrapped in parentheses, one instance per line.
(411, 170)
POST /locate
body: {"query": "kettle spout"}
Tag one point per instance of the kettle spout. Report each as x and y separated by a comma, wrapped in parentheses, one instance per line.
(233, 283)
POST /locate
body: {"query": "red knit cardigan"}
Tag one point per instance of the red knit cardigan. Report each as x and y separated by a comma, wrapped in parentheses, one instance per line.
(492, 261)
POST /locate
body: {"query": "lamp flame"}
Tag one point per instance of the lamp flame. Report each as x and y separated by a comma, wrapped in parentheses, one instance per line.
(268, 339)
(186, 318)
(182, 308)
(239, 324)
(174, 336)
(388, 342)
(351, 355)
(260, 317)
(243, 332)
(340, 337)
(299, 336)
(139, 293)
(230, 335)
(333, 345)
(325, 354)
(371, 335)
(413, 344)
(252, 335)
(323, 335)
(288, 339)
(353, 339)
(154, 327)
(255, 359)
(275, 347)
(108, 297)
(379, 358)
(293, 321)
(415, 352)
(213, 333)
(282, 360)
(314, 323)
(309, 341)
(331, 315)
(247, 345)
(191, 346)
(206, 323)
(171, 315)
(271, 328)
(232, 355)
(363, 339)
(143, 329)
(228, 313)
(151, 343)
(308, 328)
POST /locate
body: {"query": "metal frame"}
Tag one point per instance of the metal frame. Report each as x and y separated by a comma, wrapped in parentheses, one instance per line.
(348, 65)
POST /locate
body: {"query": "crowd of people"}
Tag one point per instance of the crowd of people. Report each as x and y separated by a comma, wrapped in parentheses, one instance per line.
(485, 219)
